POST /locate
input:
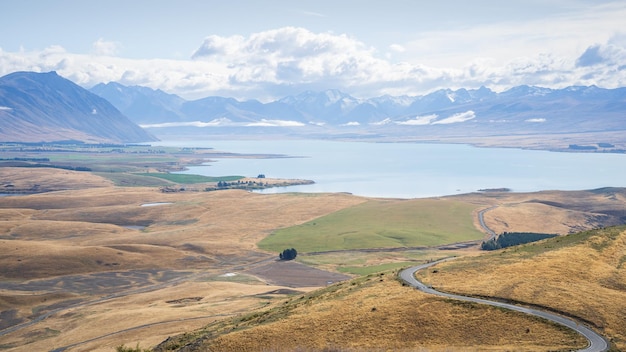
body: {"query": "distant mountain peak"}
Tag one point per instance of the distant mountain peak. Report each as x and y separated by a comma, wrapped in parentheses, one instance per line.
(458, 111)
(47, 107)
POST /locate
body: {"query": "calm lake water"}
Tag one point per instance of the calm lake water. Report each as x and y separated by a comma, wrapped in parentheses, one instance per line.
(412, 170)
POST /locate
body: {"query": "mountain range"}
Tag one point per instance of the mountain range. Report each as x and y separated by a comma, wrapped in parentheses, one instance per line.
(45, 107)
(479, 112)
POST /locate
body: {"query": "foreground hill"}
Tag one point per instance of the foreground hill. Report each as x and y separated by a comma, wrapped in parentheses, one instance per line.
(44, 107)
(580, 275)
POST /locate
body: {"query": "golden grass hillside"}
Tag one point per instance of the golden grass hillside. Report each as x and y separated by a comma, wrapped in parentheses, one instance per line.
(559, 212)
(20, 179)
(171, 262)
(66, 247)
(376, 313)
(582, 275)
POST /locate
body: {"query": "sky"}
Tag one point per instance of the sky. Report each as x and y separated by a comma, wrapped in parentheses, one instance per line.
(266, 50)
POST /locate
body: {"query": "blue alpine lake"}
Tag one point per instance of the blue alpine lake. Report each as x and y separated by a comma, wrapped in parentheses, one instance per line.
(410, 170)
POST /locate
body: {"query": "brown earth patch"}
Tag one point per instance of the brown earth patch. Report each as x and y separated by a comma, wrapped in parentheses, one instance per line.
(294, 274)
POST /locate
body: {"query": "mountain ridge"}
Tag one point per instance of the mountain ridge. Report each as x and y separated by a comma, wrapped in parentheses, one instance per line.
(521, 109)
(45, 107)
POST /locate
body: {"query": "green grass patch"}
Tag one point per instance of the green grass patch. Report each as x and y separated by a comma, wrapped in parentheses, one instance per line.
(367, 270)
(381, 224)
(190, 179)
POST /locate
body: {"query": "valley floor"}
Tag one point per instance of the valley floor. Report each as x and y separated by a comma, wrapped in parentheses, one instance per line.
(90, 267)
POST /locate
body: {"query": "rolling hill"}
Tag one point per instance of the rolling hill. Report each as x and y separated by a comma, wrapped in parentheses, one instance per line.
(581, 275)
(45, 107)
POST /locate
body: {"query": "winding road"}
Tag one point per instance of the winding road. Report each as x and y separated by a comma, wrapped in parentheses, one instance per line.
(481, 220)
(596, 342)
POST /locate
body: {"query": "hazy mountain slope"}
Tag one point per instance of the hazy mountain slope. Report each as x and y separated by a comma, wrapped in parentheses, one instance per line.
(143, 104)
(521, 110)
(38, 107)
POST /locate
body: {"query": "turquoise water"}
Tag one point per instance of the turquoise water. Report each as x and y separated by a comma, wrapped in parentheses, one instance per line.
(411, 170)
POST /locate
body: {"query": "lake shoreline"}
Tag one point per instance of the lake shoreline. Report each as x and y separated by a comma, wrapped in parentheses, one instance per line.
(412, 170)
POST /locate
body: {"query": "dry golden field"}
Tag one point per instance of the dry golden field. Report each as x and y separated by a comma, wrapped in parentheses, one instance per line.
(115, 265)
(66, 247)
(551, 211)
(582, 275)
(377, 313)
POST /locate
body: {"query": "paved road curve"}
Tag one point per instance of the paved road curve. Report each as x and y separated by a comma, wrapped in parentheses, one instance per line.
(596, 342)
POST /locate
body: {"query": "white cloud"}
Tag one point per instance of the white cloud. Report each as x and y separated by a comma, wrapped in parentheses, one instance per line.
(419, 120)
(351, 123)
(382, 122)
(272, 64)
(103, 47)
(5, 108)
(536, 120)
(456, 118)
(397, 48)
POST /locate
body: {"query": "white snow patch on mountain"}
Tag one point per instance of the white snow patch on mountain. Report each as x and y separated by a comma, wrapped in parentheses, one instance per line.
(275, 123)
(419, 120)
(456, 118)
(212, 123)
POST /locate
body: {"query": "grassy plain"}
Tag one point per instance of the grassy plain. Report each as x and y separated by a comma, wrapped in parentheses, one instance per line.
(113, 270)
(381, 224)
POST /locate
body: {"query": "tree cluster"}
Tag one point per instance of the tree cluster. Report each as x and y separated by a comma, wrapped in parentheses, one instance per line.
(508, 239)
(288, 254)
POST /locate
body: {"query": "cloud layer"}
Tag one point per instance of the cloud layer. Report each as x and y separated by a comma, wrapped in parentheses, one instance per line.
(285, 61)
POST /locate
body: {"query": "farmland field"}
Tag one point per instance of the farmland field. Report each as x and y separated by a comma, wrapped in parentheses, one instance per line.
(382, 224)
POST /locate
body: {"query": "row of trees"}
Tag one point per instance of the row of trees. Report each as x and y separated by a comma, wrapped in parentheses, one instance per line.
(508, 239)
(240, 184)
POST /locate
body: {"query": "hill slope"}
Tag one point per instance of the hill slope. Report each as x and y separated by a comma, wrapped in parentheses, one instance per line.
(375, 313)
(44, 107)
(581, 275)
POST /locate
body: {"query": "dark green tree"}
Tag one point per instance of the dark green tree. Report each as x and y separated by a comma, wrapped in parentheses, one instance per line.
(288, 254)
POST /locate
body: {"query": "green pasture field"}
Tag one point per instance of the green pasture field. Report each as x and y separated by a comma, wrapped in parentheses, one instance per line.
(366, 270)
(381, 224)
(131, 158)
(357, 262)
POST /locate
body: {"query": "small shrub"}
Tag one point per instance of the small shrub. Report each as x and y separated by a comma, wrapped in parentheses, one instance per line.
(123, 348)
